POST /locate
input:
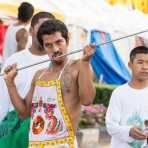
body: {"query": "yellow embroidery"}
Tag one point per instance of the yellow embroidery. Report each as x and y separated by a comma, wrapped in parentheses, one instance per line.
(67, 140)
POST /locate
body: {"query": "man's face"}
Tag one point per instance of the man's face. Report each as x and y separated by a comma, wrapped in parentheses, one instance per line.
(139, 67)
(36, 28)
(55, 45)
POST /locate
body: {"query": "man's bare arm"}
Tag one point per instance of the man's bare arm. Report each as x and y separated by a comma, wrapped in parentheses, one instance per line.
(23, 106)
(87, 90)
(22, 39)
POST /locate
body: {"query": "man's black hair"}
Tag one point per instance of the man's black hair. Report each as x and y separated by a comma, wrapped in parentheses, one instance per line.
(25, 11)
(138, 50)
(50, 27)
(40, 15)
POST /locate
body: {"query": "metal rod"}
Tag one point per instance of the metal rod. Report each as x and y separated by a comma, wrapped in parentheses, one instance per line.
(80, 50)
(47, 60)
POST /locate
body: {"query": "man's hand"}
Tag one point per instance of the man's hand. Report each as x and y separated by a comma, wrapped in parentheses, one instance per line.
(10, 73)
(137, 133)
(89, 50)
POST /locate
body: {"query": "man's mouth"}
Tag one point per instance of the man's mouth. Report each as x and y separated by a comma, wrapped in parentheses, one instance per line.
(56, 55)
(144, 74)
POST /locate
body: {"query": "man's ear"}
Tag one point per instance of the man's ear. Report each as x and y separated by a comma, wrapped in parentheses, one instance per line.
(30, 31)
(130, 64)
(68, 38)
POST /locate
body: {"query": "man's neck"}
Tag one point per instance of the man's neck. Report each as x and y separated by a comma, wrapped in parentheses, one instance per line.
(22, 23)
(137, 84)
(58, 67)
(35, 50)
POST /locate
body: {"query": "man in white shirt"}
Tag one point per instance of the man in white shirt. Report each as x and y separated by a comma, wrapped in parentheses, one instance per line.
(23, 81)
(128, 107)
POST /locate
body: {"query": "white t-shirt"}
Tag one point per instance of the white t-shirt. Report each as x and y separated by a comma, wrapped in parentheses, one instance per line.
(23, 79)
(128, 107)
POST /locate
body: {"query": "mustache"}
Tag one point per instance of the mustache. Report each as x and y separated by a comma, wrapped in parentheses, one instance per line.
(57, 53)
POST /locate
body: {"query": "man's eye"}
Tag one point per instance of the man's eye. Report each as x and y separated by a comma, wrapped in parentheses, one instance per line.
(48, 45)
(59, 42)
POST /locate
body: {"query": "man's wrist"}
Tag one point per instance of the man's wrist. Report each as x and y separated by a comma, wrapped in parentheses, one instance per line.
(85, 62)
(10, 84)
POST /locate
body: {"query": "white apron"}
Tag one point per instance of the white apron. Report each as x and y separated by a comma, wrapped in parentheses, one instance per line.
(50, 125)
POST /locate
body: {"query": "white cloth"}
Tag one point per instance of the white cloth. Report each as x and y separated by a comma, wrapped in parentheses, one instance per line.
(23, 79)
(10, 43)
(48, 112)
(128, 107)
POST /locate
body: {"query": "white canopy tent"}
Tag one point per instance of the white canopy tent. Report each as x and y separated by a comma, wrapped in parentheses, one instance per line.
(92, 14)
(97, 14)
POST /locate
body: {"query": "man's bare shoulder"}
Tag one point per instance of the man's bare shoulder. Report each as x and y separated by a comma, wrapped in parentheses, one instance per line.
(38, 74)
(75, 62)
(21, 32)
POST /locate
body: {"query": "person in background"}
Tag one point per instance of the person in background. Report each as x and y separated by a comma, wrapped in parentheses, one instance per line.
(17, 34)
(128, 107)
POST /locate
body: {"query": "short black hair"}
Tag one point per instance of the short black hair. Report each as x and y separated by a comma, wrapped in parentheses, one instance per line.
(40, 15)
(51, 26)
(25, 11)
(138, 50)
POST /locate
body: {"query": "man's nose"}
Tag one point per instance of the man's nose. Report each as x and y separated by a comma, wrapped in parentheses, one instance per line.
(55, 48)
(145, 66)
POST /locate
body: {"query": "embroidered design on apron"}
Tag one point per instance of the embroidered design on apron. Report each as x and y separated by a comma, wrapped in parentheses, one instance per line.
(50, 122)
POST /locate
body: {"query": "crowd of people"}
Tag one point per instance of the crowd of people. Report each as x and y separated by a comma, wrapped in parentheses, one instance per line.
(41, 105)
